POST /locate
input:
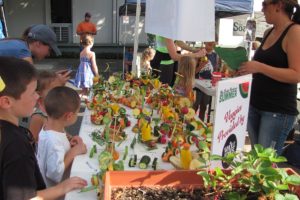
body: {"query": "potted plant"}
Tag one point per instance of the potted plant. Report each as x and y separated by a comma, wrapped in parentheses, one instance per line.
(251, 175)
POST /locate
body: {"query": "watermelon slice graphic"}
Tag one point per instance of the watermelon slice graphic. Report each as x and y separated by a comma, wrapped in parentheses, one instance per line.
(244, 88)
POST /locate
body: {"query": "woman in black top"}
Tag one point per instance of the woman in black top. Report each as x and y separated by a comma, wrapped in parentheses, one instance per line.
(276, 72)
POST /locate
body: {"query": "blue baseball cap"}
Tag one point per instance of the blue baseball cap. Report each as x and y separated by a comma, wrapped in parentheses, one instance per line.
(46, 35)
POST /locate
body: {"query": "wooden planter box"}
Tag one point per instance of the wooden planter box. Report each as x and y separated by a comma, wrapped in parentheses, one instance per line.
(171, 178)
(174, 178)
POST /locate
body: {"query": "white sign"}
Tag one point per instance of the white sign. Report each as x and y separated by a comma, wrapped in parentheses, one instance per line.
(125, 19)
(188, 20)
(232, 106)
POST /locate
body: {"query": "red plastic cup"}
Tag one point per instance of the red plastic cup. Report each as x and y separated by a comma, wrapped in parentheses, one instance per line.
(216, 76)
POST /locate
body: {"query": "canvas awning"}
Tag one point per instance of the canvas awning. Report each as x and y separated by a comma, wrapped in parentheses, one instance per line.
(224, 8)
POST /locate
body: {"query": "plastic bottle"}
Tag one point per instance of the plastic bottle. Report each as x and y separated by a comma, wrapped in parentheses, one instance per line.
(146, 132)
(185, 156)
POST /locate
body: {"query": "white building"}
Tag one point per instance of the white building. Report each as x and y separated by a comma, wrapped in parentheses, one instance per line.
(64, 15)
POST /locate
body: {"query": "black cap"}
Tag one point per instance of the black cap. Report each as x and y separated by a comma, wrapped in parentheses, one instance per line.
(87, 14)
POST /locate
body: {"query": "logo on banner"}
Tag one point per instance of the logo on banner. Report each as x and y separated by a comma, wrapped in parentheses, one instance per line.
(229, 147)
(244, 88)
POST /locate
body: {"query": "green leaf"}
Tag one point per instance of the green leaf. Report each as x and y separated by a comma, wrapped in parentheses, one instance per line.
(216, 157)
(264, 164)
(237, 170)
(278, 159)
(235, 196)
(279, 197)
(219, 172)
(203, 146)
(286, 197)
(258, 148)
(282, 187)
(255, 188)
(272, 185)
(283, 173)
(293, 180)
(269, 171)
(206, 178)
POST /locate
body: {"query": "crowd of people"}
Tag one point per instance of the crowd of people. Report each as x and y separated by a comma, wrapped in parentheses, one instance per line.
(43, 172)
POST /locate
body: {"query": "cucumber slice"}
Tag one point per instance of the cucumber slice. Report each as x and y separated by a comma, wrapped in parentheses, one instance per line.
(132, 161)
(154, 164)
(144, 162)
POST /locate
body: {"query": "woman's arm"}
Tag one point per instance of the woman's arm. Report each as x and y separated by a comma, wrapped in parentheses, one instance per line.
(185, 46)
(175, 56)
(291, 45)
(94, 64)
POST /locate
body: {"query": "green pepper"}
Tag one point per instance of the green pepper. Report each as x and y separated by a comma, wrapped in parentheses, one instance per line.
(125, 153)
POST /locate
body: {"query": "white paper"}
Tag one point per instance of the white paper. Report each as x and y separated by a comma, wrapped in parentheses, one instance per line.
(188, 20)
(231, 116)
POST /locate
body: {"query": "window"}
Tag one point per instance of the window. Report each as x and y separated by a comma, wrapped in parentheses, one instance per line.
(61, 11)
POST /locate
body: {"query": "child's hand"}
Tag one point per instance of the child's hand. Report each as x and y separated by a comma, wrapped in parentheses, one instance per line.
(72, 183)
(75, 140)
(79, 148)
(63, 76)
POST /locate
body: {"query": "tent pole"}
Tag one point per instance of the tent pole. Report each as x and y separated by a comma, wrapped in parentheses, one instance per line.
(4, 21)
(124, 45)
(136, 38)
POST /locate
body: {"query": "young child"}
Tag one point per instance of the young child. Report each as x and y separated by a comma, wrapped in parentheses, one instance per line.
(45, 82)
(204, 70)
(20, 177)
(87, 68)
(185, 77)
(55, 154)
(147, 56)
(128, 59)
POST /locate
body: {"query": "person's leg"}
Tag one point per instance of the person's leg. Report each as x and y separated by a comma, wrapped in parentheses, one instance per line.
(253, 125)
(166, 74)
(198, 98)
(274, 129)
(205, 100)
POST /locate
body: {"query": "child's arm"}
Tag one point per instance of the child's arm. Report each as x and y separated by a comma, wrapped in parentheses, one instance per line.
(36, 125)
(78, 149)
(94, 64)
(61, 188)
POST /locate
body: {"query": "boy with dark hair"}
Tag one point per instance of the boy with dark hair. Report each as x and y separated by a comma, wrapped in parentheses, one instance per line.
(55, 153)
(19, 171)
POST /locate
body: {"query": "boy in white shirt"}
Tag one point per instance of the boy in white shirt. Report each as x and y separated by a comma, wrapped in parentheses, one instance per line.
(55, 153)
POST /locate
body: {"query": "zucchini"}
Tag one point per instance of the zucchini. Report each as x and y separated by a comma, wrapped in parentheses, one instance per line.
(133, 142)
(190, 139)
(154, 164)
(132, 161)
(125, 153)
(93, 151)
(144, 162)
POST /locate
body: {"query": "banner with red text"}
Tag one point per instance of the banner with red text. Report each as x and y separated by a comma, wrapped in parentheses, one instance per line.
(231, 115)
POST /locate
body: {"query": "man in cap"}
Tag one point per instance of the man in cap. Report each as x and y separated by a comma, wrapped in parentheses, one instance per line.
(38, 43)
(86, 26)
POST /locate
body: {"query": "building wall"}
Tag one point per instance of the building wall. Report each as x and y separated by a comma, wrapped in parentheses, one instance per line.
(21, 14)
(102, 16)
(105, 14)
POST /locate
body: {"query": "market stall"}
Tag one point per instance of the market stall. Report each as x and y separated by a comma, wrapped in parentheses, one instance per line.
(146, 135)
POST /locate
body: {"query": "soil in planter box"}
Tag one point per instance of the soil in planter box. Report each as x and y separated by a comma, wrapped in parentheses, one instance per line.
(158, 193)
(167, 193)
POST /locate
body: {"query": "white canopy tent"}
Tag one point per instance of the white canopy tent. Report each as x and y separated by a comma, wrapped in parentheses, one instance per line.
(178, 20)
